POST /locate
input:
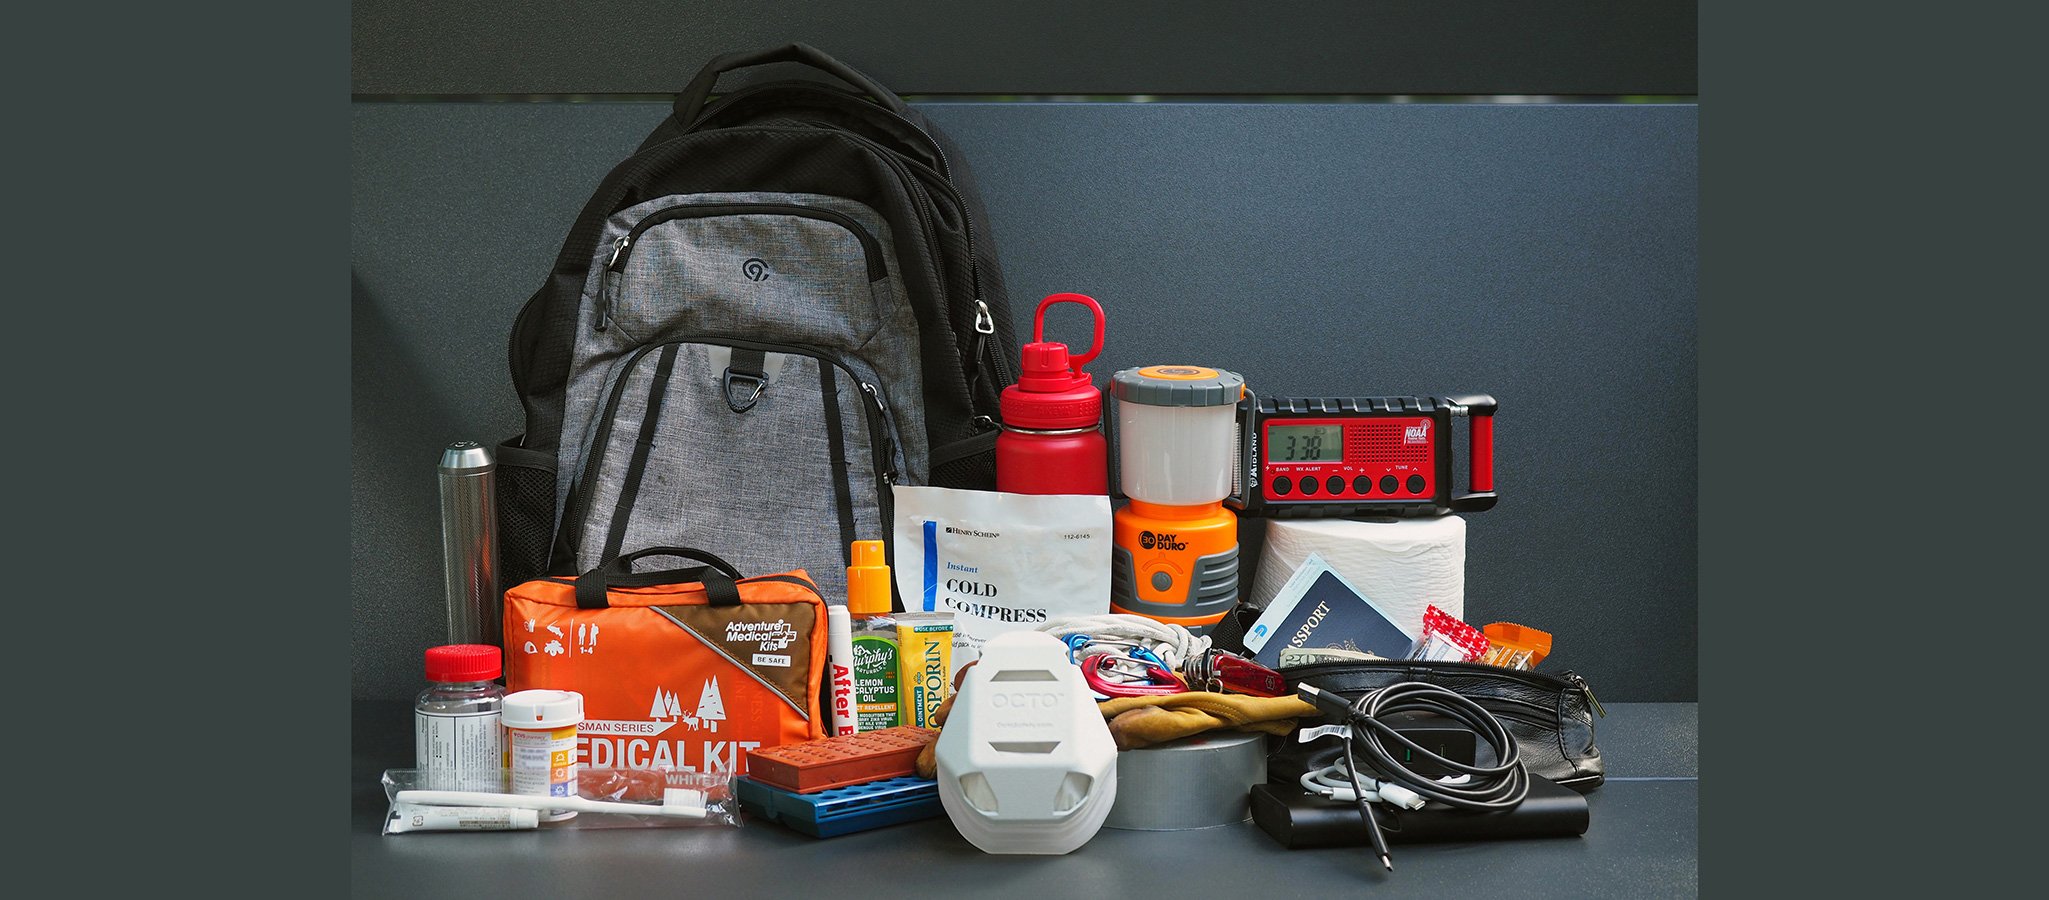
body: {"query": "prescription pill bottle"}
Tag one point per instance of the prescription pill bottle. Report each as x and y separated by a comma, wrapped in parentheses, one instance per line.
(540, 732)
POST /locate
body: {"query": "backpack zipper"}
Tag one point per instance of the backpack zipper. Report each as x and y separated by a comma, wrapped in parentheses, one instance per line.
(622, 249)
(927, 219)
(921, 203)
(985, 325)
(724, 103)
(884, 457)
(967, 221)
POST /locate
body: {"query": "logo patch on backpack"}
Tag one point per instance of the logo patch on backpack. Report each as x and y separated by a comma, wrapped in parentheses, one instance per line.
(754, 269)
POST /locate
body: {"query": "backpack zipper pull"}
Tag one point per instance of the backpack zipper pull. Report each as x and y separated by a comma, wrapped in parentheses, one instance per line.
(608, 283)
(985, 325)
(873, 394)
(1592, 701)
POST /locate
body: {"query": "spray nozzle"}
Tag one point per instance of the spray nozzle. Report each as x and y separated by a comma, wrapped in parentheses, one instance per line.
(868, 580)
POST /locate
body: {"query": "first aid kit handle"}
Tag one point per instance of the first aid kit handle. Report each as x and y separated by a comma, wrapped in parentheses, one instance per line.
(1480, 455)
(624, 564)
(691, 102)
(718, 577)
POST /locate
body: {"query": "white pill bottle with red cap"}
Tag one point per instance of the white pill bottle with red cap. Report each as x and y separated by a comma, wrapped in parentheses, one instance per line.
(540, 733)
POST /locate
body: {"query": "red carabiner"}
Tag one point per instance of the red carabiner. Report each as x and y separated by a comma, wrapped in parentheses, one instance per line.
(1161, 680)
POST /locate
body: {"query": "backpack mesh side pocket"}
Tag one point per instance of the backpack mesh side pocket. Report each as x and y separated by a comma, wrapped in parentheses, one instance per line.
(526, 512)
(968, 463)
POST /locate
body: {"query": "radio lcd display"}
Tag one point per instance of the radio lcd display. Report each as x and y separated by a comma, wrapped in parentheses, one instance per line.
(1306, 443)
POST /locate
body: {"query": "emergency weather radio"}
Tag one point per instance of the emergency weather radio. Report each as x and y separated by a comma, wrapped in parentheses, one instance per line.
(1360, 456)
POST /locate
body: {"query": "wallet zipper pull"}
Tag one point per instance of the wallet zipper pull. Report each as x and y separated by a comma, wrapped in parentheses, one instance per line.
(1592, 700)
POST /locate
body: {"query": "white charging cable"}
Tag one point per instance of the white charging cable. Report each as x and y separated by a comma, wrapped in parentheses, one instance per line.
(1331, 781)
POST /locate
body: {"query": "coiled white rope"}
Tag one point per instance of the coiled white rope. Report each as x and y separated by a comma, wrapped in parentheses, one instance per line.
(1172, 643)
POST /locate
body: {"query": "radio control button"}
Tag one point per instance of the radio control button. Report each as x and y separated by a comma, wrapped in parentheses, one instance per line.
(1362, 484)
(1388, 484)
(1309, 485)
(1283, 485)
(1334, 484)
(1415, 484)
(1162, 581)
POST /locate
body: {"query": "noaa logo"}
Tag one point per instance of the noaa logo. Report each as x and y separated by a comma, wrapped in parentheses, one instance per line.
(1145, 539)
(1416, 434)
(754, 269)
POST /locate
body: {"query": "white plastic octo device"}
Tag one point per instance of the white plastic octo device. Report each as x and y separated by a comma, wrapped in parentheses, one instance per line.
(1026, 763)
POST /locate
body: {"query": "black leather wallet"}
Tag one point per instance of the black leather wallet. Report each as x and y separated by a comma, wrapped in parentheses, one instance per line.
(1301, 820)
(1552, 717)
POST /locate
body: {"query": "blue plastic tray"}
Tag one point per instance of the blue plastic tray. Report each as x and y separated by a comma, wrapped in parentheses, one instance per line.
(845, 810)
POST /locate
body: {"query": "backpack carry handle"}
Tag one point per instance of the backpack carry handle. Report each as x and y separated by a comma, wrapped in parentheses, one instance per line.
(691, 101)
(717, 576)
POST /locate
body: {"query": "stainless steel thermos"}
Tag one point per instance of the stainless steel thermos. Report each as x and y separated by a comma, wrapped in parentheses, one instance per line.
(469, 542)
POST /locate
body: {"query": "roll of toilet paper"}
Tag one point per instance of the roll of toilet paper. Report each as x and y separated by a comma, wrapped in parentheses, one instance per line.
(1402, 565)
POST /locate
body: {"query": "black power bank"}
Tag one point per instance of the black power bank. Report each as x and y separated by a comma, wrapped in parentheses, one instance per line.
(1302, 820)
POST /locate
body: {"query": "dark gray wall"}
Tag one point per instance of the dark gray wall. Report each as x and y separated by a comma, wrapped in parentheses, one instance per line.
(1545, 254)
(1045, 47)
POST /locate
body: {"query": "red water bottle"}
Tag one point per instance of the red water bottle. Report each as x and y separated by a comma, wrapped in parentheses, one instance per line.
(1052, 440)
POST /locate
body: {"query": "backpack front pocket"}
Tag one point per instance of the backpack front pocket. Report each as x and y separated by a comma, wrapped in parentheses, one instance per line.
(795, 270)
(708, 268)
(773, 456)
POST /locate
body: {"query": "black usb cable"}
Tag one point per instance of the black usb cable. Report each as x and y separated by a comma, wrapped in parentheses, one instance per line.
(1499, 786)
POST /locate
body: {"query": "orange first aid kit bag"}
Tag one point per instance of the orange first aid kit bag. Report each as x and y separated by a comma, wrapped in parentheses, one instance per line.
(684, 668)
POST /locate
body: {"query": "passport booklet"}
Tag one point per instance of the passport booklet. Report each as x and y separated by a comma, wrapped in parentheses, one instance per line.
(1318, 608)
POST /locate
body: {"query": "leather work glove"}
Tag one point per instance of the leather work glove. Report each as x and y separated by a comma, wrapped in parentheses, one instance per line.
(1144, 721)
(928, 758)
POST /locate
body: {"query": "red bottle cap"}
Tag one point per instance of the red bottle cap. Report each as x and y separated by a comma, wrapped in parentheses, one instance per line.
(464, 662)
(1052, 392)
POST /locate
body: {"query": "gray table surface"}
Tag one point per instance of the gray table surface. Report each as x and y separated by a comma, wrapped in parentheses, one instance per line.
(1642, 842)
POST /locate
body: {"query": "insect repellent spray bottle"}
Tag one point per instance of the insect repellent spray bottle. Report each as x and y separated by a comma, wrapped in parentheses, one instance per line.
(1175, 547)
(876, 703)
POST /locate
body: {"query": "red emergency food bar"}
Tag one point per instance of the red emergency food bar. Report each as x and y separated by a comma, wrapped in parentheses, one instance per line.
(814, 766)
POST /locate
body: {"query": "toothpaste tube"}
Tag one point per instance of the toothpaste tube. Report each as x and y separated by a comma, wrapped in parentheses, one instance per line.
(414, 817)
(925, 664)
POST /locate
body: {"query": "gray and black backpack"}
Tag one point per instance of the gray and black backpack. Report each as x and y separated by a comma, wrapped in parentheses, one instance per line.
(783, 304)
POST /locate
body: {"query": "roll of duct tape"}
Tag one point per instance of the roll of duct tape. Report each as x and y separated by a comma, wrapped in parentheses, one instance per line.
(1195, 782)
